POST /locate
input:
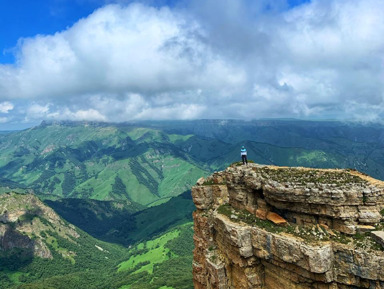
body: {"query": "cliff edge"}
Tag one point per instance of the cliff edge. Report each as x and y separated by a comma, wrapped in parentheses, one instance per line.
(270, 227)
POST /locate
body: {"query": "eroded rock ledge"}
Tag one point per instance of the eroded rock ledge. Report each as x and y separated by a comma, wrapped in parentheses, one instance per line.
(277, 227)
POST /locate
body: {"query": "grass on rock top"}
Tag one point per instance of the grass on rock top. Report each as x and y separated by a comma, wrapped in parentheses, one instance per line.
(302, 176)
(310, 235)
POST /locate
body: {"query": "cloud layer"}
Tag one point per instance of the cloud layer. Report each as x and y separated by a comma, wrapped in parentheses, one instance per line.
(227, 59)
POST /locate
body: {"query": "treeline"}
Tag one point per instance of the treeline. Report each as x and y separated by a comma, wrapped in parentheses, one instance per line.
(144, 177)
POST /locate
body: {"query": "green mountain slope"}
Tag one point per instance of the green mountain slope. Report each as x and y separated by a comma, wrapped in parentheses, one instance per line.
(163, 262)
(36, 244)
(102, 162)
(38, 249)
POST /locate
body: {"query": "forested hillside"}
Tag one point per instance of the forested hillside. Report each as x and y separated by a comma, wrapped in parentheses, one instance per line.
(122, 223)
(40, 250)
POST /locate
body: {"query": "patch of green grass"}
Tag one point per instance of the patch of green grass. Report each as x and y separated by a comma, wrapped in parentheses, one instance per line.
(144, 134)
(177, 137)
(366, 242)
(248, 218)
(312, 157)
(159, 202)
(303, 177)
(52, 241)
(156, 253)
(15, 277)
(225, 209)
(208, 183)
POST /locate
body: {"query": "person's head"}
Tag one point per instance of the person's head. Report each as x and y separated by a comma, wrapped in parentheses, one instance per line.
(242, 147)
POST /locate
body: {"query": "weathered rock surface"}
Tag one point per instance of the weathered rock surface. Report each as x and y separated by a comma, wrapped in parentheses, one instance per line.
(378, 236)
(273, 227)
(26, 223)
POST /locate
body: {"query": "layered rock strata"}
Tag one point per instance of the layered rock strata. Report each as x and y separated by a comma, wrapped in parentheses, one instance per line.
(276, 227)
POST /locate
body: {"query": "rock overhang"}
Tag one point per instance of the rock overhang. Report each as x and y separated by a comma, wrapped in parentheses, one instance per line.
(346, 197)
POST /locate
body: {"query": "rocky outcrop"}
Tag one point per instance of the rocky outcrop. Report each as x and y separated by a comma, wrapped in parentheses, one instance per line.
(26, 223)
(277, 227)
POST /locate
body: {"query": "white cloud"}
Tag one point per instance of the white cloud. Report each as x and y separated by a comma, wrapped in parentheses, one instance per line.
(116, 49)
(6, 107)
(36, 111)
(78, 115)
(137, 107)
(49, 111)
(364, 112)
(232, 59)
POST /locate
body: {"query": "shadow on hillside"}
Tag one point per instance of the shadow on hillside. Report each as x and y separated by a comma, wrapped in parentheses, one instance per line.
(103, 220)
(16, 249)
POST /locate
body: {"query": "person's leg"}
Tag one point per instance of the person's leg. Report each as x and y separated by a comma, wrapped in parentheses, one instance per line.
(243, 158)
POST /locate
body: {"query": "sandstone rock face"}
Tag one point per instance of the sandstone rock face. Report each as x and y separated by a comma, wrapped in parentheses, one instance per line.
(269, 227)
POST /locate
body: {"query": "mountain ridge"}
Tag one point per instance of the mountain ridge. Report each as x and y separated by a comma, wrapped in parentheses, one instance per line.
(98, 162)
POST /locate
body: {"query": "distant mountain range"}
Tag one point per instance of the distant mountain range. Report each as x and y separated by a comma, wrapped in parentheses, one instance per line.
(98, 161)
(150, 162)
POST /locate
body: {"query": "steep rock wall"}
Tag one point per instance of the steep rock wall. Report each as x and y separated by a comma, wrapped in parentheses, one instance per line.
(273, 227)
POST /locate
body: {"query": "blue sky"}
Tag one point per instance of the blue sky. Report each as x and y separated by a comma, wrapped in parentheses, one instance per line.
(25, 18)
(120, 60)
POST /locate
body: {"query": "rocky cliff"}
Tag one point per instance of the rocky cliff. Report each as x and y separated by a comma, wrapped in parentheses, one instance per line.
(278, 227)
(28, 225)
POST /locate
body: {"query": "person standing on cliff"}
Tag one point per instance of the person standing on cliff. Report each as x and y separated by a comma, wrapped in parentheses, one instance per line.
(243, 153)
